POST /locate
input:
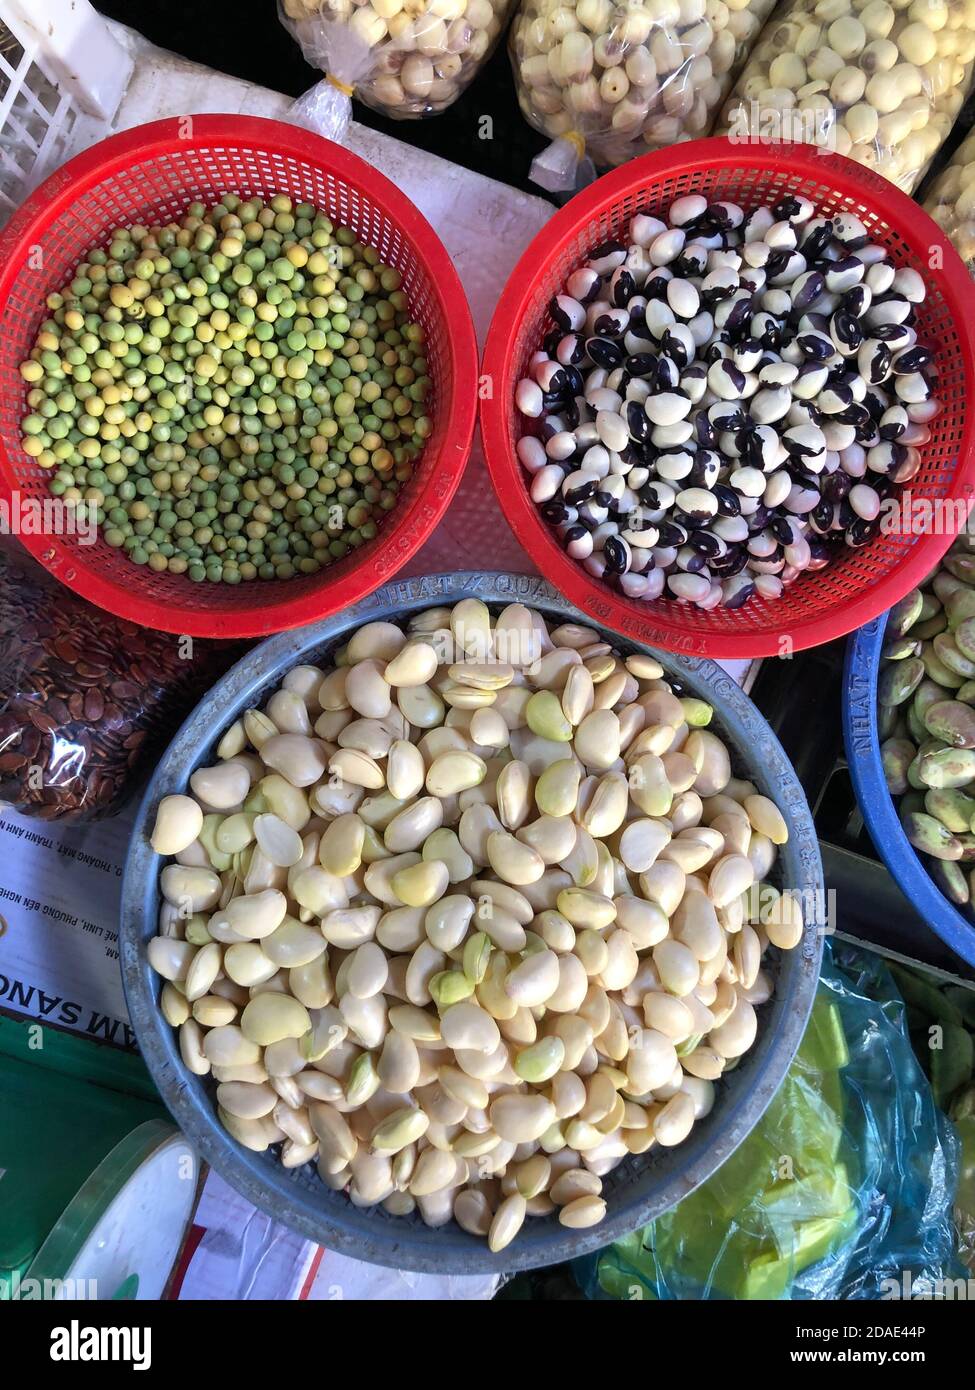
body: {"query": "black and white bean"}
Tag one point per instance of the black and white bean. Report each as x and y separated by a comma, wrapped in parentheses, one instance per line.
(724, 398)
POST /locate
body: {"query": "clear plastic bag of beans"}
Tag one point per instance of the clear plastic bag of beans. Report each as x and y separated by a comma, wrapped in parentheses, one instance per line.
(951, 201)
(86, 700)
(614, 80)
(879, 82)
(404, 58)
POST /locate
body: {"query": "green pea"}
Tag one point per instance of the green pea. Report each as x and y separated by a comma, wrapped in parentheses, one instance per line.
(246, 388)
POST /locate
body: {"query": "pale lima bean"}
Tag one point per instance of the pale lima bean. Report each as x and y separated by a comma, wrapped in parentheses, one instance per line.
(179, 820)
(470, 1028)
(512, 861)
(583, 1212)
(463, 987)
(300, 760)
(534, 979)
(507, 1222)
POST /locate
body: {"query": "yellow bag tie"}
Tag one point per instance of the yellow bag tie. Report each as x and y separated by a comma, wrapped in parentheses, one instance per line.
(577, 141)
(340, 86)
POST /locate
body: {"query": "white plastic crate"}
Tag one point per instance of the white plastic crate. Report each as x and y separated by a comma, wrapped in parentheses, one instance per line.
(62, 76)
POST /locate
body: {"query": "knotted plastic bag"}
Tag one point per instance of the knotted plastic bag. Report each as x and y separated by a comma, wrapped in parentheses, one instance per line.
(610, 81)
(404, 58)
(87, 700)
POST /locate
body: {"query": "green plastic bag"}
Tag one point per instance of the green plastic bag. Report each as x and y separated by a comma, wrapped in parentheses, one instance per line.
(845, 1184)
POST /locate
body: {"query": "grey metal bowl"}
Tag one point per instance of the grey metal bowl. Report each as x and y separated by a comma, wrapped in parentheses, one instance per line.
(641, 1187)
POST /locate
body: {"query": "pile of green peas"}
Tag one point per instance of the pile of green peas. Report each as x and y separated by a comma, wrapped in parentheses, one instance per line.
(239, 395)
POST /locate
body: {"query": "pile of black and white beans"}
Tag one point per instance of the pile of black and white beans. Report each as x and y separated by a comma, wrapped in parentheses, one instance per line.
(726, 399)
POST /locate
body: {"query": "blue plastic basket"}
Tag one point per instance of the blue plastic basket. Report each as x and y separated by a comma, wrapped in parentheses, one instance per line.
(641, 1187)
(862, 740)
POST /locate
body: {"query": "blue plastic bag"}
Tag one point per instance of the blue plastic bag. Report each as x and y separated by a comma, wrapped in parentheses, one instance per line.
(843, 1190)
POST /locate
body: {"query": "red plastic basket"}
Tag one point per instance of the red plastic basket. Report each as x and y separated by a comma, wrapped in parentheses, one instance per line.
(860, 583)
(152, 173)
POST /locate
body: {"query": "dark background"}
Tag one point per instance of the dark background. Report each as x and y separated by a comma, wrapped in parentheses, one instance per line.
(248, 40)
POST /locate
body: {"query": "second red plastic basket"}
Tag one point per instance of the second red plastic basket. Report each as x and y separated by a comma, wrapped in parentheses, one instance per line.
(859, 584)
(152, 173)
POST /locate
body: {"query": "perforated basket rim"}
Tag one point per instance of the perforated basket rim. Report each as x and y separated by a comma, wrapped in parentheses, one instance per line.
(408, 527)
(660, 623)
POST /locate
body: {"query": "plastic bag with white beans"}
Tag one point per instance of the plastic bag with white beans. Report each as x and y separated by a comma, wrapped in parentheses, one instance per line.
(404, 58)
(880, 82)
(951, 201)
(615, 80)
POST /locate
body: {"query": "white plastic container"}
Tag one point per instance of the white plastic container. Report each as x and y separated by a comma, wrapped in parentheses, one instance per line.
(62, 76)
